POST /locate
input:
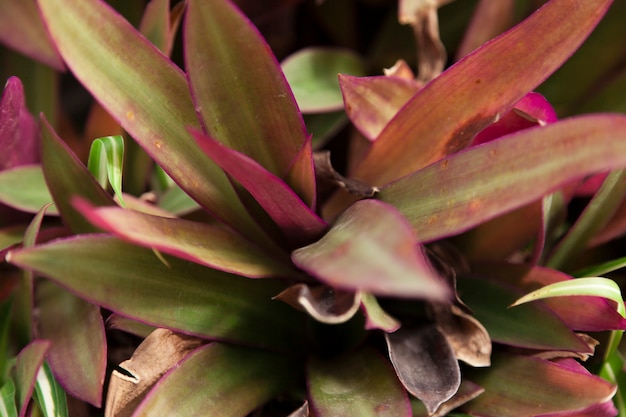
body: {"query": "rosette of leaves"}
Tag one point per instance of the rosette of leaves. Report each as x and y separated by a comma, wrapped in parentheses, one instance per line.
(277, 299)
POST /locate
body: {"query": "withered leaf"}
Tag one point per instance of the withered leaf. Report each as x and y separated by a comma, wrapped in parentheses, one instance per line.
(323, 303)
(468, 338)
(302, 411)
(425, 364)
(161, 350)
(325, 171)
(467, 392)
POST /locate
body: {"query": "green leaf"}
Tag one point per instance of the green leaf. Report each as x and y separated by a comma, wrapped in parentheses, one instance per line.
(372, 248)
(312, 75)
(7, 399)
(603, 268)
(147, 94)
(212, 245)
(24, 188)
(534, 327)
(176, 201)
(5, 325)
(27, 366)
(375, 316)
(49, 395)
(78, 352)
(480, 183)
(130, 280)
(240, 91)
(220, 380)
(444, 116)
(159, 24)
(360, 383)
(106, 163)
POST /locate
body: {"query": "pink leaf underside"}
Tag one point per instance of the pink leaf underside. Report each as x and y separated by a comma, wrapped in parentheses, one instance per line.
(482, 182)
(532, 110)
(18, 130)
(372, 248)
(534, 387)
(212, 245)
(371, 102)
(582, 313)
(473, 92)
(296, 220)
(240, 92)
(21, 29)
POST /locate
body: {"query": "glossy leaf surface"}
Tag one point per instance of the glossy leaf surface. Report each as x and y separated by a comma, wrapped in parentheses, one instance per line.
(451, 109)
(212, 245)
(312, 75)
(296, 220)
(357, 384)
(24, 188)
(240, 91)
(146, 93)
(534, 386)
(475, 185)
(220, 380)
(372, 248)
(193, 299)
(535, 327)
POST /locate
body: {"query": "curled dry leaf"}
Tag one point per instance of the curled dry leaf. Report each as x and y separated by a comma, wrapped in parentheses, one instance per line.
(467, 392)
(467, 337)
(425, 364)
(560, 354)
(152, 359)
(323, 303)
(325, 171)
(302, 411)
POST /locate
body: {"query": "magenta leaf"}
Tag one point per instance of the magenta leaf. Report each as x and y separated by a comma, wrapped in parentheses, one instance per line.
(444, 116)
(212, 245)
(360, 384)
(18, 130)
(534, 387)
(220, 380)
(77, 356)
(183, 296)
(425, 364)
(371, 248)
(480, 183)
(240, 91)
(296, 220)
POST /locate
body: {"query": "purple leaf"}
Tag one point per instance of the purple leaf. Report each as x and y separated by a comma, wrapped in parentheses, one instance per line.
(77, 356)
(240, 91)
(212, 245)
(296, 220)
(425, 364)
(19, 140)
(444, 116)
(467, 392)
(371, 248)
(480, 183)
(360, 384)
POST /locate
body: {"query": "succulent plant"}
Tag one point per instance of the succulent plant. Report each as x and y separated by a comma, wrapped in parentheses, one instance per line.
(263, 280)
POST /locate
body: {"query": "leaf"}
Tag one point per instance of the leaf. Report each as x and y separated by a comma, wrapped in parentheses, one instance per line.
(323, 303)
(27, 365)
(296, 220)
(24, 189)
(119, 322)
(49, 395)
(212, 245)
(147, 94)
(66, 176)
(7, 399)
(480, 183)
(131, 382)
(18, 129)
(535, 327)
(21, 29)
(425, 364)
(467, 392)
(78, 354)
(360, 384)
(534, 386)
(222, 380)
(376, 317)
(106, 163)
(473, 92)
(312, 75)
(159, 25)
(371, 102)
(371, 248)
(187, 297)
(247, 107)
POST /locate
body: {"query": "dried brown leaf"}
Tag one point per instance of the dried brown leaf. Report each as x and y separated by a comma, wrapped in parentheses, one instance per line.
(323, 303)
